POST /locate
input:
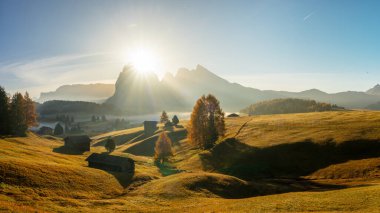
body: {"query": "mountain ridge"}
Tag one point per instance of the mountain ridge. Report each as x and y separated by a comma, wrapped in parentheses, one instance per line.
(146, 93)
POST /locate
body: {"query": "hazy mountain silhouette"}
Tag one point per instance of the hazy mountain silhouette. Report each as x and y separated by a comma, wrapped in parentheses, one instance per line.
(80, 92)
(375, 90)
(144, 93)
(138, 94)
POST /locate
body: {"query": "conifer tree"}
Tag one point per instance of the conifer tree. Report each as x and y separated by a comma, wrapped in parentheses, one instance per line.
(175, 120)
(164, 117)
(58, 130)
(197, 128)
(4, 113)
(163, 148)
(30, 111)
(110, 145)
(206, 122)
(18, 115)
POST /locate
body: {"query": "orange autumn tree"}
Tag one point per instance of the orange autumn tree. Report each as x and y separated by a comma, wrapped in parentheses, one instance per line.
(163, 148)
(206, 122)
(30, 111)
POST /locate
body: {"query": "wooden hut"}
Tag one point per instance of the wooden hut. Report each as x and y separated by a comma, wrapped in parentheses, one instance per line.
(111, 163)
(150, 127)
(79, 143)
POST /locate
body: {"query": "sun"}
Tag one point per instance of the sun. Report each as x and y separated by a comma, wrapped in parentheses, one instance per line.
(142, 60)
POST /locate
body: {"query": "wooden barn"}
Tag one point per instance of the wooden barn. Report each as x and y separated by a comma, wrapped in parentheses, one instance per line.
(111, 163)
(79, 143)
(150, 127)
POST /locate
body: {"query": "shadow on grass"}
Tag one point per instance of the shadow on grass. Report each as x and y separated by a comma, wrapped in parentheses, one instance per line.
(146, 146)
(291, 160)
(65, 150)
(167, 169)
(122, 139)
(125, 179)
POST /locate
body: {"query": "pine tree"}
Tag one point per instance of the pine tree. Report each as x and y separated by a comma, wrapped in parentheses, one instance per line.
(206, 122)
(175, 120)
(110, 145)
(163, 148)
(30, 111)
(18, 115)
(164, 117)
(58, 130)
(4, 113)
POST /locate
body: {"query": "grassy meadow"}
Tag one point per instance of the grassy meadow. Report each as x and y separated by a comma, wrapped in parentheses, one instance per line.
(326, 161)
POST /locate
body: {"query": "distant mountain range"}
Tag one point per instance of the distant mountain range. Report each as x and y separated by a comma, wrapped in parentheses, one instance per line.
(136, 93)
(80, 92)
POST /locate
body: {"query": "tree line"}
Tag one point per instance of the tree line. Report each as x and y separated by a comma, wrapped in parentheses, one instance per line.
(289, 105)
(17, 113)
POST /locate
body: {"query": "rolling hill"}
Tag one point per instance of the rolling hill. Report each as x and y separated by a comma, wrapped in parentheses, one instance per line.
(297, 162)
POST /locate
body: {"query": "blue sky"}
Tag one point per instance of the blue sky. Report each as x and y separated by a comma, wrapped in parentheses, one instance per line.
(282, 45)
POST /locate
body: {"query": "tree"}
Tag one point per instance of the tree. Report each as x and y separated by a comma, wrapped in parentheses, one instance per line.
(164, 117)
(4, 113)
(93, 118)
(104, 118)
(175, 120)
(206, 122)
(163, 148)
(18, 115)
(58, 129)
(30, 111)
(110, 145)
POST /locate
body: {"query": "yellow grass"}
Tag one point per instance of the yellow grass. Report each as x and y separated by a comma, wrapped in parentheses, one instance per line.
(34, 178)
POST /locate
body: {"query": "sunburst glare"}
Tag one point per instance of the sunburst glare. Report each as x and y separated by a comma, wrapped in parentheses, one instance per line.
(143, 60)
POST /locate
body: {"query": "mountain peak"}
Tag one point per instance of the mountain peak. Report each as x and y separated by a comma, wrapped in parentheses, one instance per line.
(313, 91)
(200, 68)
(374, 90)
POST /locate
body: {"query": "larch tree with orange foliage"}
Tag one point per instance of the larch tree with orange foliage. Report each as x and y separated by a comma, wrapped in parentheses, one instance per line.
(206, 122)
(163, 148)
(30, 111)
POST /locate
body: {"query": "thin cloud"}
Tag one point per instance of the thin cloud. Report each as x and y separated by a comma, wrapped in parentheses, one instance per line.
(63, 69)
(308, 16)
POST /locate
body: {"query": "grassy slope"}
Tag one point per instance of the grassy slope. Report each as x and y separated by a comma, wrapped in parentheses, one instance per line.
(41, 176)
(269, 130)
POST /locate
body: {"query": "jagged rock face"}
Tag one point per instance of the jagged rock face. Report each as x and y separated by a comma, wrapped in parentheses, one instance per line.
(138, 93)
(179, 93)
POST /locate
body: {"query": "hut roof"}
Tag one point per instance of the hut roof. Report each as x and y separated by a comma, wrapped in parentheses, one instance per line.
(108, 159)
(233, 115)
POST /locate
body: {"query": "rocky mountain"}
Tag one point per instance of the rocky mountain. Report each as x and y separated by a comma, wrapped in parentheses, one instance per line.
(138, 93)
(375, 90)
(80, 92)
(143, 93)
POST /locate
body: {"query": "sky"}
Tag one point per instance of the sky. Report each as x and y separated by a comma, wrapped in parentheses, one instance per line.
(288, 45)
